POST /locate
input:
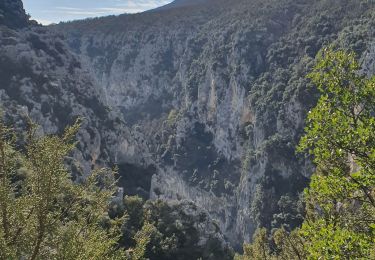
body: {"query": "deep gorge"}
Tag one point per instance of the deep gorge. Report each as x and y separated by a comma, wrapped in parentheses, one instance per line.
(202, 103)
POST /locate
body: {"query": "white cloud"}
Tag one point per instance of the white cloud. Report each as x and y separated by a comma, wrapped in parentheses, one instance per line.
(63, 10)
(129, 6)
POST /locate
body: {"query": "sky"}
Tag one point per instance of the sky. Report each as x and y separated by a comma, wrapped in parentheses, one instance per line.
(54, 11)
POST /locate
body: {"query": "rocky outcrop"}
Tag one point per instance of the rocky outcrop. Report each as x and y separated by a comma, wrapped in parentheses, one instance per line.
(12, 14)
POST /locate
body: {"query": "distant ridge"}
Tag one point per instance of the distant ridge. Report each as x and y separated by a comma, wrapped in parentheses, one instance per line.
(180, 4)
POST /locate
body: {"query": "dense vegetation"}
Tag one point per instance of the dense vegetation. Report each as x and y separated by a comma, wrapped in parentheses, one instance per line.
(45, 214)
(340, 201)
(176, 233)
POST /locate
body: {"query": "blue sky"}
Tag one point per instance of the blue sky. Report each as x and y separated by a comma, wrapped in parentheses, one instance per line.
(54, 11)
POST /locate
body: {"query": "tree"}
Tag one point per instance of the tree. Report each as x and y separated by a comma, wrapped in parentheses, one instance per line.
(44, 214)
(340, 137)
(259, 249)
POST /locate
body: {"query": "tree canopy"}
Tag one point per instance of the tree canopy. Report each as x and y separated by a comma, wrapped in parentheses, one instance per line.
(44, 214)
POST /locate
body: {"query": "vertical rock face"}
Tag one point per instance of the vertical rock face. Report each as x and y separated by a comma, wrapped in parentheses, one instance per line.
(217, 95)
(12, 14)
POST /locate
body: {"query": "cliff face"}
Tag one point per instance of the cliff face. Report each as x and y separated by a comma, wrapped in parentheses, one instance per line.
(218, 95)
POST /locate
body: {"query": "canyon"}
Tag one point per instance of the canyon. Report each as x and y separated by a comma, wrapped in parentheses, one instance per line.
(202, 102)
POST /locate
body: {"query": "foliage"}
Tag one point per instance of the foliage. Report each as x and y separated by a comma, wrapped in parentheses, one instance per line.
(143, 238)
(46, 215)
(173, 117)
(170, 231)
(340, 137)
(259, 249)
(133, 206)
